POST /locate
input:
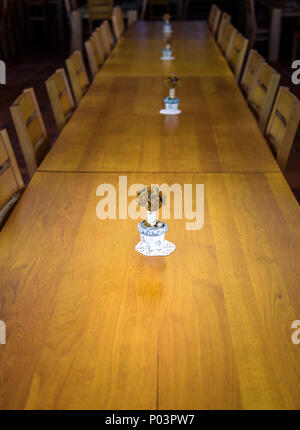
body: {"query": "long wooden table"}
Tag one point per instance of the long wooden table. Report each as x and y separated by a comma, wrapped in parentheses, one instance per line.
(133, 57)
(194, 30)
(118, 127)
(93, 324)
(138, 52)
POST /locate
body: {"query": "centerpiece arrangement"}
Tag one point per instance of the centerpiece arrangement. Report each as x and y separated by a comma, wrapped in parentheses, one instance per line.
(152, 230)
(167, 26)
(167, 49)
(171, 102)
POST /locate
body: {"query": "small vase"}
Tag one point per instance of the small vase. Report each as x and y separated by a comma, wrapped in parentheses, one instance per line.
(166, 53)
(172, 104)
(167, 27)
(152, 238)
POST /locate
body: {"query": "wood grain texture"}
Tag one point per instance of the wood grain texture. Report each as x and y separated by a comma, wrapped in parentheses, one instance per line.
(117, 128)
(133, 57)
(92, 324)
(194, 30)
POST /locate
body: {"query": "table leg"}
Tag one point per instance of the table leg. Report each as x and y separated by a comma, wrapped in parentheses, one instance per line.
(274, 43)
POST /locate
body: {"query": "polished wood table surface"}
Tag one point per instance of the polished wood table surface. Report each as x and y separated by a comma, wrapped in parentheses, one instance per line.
(118, 127)
(195, 30)
(133, 57)
(93, 324)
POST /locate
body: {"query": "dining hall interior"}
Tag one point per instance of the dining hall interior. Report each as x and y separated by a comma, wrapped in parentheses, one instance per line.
(149, 205)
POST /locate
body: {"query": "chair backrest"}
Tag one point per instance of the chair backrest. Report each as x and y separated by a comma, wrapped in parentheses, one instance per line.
(108, 33)
(283, 125)
(102, 37)
(211, 16)
(228, 39)
(262, 93)
(116, 27)
(60, 96)
(251, 70)
(70, 5)
(236, 54)
(93, 54)
(216, 22)
(251, 25)
(78, 76)
(214, 18)
(30, 129)
(224, 22)
(118, 12)
(132, 17)
(99, 44)
(100, 9)
(11, 182)
(118, 22)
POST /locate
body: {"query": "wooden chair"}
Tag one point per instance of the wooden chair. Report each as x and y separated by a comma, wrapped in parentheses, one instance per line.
(36, 12)
(61, 98)
(100, 45)
(211, 16)
(224, 22)
(283, 125)
(118, 22)
(236, 54)
(103, 39)
(132, 17)
(252, 31)
(262, 93)
(11, 182)
(251, 70)
(214, 18)
(75, 21)
(228, 39)
(99, 10)
(108, 33)
(94, 57)
(78, 75)
(30, 129)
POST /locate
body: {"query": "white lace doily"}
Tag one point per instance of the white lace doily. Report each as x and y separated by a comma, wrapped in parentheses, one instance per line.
(167, 249)
(168, 112)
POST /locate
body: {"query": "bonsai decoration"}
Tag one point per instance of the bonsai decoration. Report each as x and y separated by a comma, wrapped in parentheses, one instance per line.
(171, 102)
(152, 230)
(167, 26)
(167, 49)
